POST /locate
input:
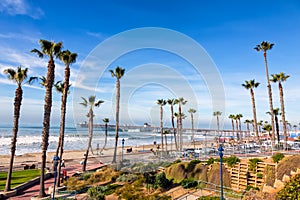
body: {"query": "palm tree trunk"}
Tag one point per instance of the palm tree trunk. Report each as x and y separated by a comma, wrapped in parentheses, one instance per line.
(270, 98)
(105, 140)
(277, 129)
(166, 142)
(117, 120)
(64, 98)
(283, 113)
(193, 134)
(161, 127)
(254, 115)
(46, 123)
(180, 126)
(232, 124)
(173, 127)
(17, 108)
(91, 116)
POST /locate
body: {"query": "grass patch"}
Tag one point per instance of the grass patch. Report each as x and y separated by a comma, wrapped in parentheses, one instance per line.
(18, 177)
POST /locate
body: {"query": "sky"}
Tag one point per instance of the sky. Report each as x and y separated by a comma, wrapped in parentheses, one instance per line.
(199, 50)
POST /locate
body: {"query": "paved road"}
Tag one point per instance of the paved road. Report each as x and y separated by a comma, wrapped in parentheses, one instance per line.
(34, 190)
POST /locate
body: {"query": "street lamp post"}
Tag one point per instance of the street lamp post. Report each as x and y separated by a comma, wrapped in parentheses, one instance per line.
(220, 149)
(123, 141)
(55, 161)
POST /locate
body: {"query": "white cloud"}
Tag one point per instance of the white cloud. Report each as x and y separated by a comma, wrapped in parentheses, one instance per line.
(20, 7)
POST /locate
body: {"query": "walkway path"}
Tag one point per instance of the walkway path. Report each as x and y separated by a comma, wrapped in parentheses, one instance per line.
(34, 190)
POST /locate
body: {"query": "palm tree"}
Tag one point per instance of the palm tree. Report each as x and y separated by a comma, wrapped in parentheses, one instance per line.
(51, 50)
(231, 116)
(118, 72)
(259, 124)
(161, 103)
(265, 46)
(276, 113)
(239, 116)
(106, 121)
(180, 101)
(281, 77)
(267, 127)
(250, 85)
(19, 76)
(192, 111)
(165, 132)
(217, 114)
(247, 122)
(68, 58)
(171, 102)
(91, 103)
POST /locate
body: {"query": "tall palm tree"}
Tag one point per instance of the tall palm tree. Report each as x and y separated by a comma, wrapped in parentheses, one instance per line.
(239, 116)
(276, 113)
(118, 72)
(20, 77)
(247, 122)
(260, 124)
(281, 77)
(161, 103)
(180, 101)
(106, 121)
(231, 116)
(68, 58)
(266, 46)
(51, 50)
(217, 114)
(165, 132)
(91, 103)
(250, 85)
(171, 102)
(192, 111)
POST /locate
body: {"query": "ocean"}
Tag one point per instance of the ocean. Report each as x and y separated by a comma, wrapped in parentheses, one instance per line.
(76, 138)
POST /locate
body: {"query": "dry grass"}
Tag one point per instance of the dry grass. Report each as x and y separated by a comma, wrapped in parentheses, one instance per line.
(213, 175)
(287, 164)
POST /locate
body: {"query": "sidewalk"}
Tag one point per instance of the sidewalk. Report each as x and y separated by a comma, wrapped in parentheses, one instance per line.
(34, 190)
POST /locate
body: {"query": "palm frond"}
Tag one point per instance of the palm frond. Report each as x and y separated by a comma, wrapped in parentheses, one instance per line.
(98, 103)
(32, 79)
(11, 73)
(40, 54)
(92, 99)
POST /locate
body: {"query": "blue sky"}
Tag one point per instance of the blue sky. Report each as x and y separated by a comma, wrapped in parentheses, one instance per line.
(226, 30)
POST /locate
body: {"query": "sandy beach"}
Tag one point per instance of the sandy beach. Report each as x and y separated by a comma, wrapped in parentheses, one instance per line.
(138, 154)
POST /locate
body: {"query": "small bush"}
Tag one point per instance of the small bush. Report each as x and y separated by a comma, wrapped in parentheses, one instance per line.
(259, 175)
(96, 193)
(162, 181)
(209, 198)
(74, 183)
(253, 163)
(291, 189)
(232, 160)
(249, 187)
(195, 162)
(177, 161)
(210, 161)
(277, 157)
(189, 183)
(127, 178)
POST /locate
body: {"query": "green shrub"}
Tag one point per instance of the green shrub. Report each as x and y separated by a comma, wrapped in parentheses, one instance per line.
(96, 193)
(195, 162)
(177, 161)
(209, 198)
(86, 176)
(253, 163)
(162, 181)
(232, 160)
(210, 161)
(259, 175)
(127, 178)
(189, 183)
(291, 189)
(277, 157)
(249, 187)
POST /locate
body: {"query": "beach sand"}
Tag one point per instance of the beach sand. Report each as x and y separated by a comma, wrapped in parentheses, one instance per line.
(139, 153)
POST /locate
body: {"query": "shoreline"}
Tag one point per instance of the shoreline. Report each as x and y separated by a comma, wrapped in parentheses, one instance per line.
(75, 156)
